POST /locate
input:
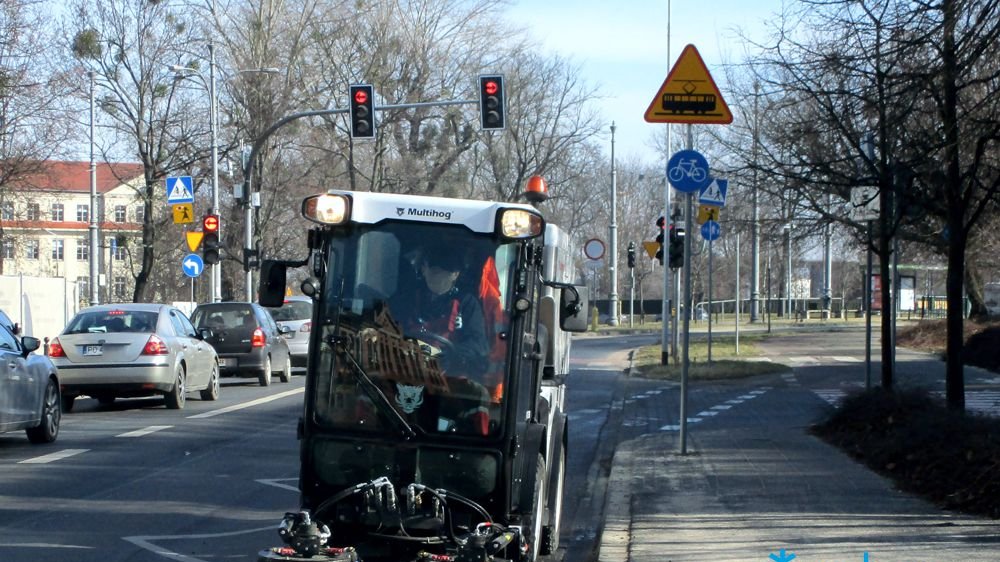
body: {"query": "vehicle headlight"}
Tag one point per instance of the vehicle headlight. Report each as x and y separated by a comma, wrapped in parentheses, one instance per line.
(327, 208)
(520, 223)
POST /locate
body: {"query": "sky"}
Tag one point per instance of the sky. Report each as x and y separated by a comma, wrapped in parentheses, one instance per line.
(621, 47)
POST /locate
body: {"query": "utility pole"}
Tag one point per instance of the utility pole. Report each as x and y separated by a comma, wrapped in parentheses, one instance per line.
(93, 253)
(613, 268)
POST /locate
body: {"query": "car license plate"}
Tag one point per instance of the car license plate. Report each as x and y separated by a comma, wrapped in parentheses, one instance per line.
(90, 350)
(225, 362)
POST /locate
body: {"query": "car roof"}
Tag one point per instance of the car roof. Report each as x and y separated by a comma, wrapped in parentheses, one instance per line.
(140, 306)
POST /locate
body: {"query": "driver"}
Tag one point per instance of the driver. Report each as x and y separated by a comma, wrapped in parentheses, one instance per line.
(441, 309)
(442, 314)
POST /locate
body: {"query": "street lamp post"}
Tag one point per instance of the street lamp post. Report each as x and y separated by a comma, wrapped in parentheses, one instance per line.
(92, 255)
(184, 71)
(613, 270)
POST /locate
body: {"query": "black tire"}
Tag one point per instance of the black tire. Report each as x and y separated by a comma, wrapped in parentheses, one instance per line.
(286, 372)
(178, 394)
(553, 527)
(67, 402)
(265, 376)
(48, 429)
(212, 392)
(537, 518)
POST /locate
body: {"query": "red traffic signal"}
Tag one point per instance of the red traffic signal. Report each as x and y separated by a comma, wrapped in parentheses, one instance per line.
(362, 109)
(492, 110)
(210, 223)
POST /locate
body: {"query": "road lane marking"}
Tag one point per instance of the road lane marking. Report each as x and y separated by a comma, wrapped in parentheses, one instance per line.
(145, 431)
(52, 457)
(145, 542)
(846, 359)
(249, 404)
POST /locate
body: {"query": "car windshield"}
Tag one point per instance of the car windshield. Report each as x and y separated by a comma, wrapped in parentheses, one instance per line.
(414, 326)
(218, 316)
(292, 311)
(112, 321)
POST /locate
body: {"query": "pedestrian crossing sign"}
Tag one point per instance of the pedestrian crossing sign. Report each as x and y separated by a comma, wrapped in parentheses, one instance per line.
(714, 193)
(180, 189)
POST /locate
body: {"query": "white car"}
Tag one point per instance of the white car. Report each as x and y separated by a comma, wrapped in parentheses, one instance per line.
(131, 350)
(294, 318)
(29, 389)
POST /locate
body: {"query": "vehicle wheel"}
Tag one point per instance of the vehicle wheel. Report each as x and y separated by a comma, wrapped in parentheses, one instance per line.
(265, 376)
(67, 402)
(286, 373)
(48, 430)
(212, 392)
(176, 397)
(537, 514)
(106, 399)
(550, 533)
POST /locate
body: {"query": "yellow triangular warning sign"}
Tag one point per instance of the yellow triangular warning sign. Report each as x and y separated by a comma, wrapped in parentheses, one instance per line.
(689, 95)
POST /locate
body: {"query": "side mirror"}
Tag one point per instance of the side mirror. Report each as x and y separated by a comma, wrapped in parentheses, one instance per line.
(29, 345)
(273, 277)
(205, 333)
(573, 308)
(285, 329)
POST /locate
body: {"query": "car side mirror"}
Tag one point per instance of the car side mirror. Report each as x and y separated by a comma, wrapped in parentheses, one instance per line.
(285, 329)
(29, 345)
(573, 308)
(205, 333)
(273, 277)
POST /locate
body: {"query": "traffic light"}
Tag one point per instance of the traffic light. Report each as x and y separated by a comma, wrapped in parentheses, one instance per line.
(492, 110)
(660, 222)
(210, 244)
(631, 254)
(362, 111)
(676, 247)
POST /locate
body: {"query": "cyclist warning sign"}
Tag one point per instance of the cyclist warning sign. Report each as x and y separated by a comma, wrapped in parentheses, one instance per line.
(689, 95)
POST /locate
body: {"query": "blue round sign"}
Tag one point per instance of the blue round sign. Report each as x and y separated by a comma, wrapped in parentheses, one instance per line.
(711, 230)
(687, 171)
(193, 265)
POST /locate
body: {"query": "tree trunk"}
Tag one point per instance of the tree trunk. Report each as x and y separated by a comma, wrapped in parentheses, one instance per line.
(148, 235)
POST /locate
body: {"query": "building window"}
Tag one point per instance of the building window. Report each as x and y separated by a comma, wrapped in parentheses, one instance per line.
(140, 214)
(119, 287)
(120, 213)
(82, 249)
(57, 212)
(58, 249)
(8, 249)
(33, 212)
(120, 252)
(7, 213)
(83, 213)
(31, 250)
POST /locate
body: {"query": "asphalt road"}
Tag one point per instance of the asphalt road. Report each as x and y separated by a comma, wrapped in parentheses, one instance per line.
(137, 482)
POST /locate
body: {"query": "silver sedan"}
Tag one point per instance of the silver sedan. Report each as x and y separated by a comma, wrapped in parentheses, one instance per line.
(29, 389)
(127, 350)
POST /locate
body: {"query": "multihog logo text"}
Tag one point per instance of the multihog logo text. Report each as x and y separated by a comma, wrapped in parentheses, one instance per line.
(433, 213)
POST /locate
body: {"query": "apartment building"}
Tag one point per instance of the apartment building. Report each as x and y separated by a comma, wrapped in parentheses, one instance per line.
(45, 220)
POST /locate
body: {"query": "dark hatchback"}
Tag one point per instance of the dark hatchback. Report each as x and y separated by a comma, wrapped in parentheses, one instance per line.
(246, 338)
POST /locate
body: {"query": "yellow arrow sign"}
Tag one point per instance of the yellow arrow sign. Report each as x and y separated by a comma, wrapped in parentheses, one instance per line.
(194, 239)
(651, 248)
(183, 213)
(689, 95)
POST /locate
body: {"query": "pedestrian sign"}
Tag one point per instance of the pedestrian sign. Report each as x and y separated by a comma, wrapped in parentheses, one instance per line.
(707, 213)
(689, 95)
(183, 213)
(711, 230)
(180, 189)
(714, 193)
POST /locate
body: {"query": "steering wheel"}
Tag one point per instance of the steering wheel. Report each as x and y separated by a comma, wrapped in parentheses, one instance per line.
(446, 345)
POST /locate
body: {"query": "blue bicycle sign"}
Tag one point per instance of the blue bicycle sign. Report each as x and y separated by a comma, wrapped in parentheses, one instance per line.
(687, 171)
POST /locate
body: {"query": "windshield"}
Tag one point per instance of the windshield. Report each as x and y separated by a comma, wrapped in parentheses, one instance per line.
(421, 315)
(292, 311)
(111, 321)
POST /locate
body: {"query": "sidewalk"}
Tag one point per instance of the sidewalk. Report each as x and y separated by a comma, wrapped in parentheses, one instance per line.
(756, 484)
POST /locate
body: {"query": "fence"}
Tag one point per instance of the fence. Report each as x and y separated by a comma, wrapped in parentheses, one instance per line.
(41, 305)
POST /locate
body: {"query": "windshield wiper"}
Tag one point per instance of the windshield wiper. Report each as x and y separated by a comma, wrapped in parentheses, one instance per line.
(372, 389)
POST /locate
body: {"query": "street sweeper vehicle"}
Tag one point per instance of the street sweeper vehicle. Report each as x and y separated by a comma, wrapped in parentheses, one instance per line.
(434, 425)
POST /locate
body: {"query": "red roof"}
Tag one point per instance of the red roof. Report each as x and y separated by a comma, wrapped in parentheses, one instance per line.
(75, 176)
